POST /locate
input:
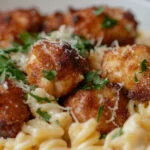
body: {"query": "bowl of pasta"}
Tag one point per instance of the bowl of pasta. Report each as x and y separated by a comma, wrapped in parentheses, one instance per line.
(74, 75)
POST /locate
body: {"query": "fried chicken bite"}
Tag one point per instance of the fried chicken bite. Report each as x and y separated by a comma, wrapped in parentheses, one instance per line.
(59, 59)
(108, 25)
(129, 66)
(54, 21)
(13, 111)
(17, 21)
(85, 105)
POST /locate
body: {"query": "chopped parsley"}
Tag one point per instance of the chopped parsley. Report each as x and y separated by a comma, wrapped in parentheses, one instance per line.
(45, 116)
(33, 87)
(135, 78)
(144, 65)
(93, 81)
(26, 40)
(143, 69)
(99, 11)
(42, 99)
(82, 45)
(57, 122)
(100, 111)
(50, 75)
(119, 133)
(108, 22)
(9, 69)
(103, 136)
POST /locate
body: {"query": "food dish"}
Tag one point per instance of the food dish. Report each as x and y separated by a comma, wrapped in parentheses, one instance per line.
(76, 80)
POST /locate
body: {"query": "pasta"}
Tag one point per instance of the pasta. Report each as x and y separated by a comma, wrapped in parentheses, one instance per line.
(53, 109)
(84, 136)
(37, 135)
(136, 135)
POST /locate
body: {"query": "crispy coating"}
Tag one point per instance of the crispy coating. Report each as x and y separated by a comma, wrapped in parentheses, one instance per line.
(85, 105)
(60, 57)
(17, 21)
(13, 110)
(123, 65)
(89, 25)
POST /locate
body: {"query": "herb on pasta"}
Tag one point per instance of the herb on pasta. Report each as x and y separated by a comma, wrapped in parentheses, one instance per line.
(119, 133)
(45, 116)
(42, 99)
(9, 69)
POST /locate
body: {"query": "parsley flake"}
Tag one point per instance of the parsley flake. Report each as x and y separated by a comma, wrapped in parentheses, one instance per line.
(143, 65)
(135, 78)
(82, 45)
(143, 69)
(103, 136)
(119, 133)
(45, 116)
(100, 111)
(57, 122)
(50, 75)
(93, 81)
(9, 69)
(42, 99)
(99, 11)
(26, 39)
(108, 22)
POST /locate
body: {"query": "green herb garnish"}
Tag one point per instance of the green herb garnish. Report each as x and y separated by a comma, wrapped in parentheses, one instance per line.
(42, 99)
(82, 45)
(99, 11)
(93, 81)
(26, 39)
(50, 75)
(9, 69)
(108, 22)
(143, 69)
(103, 136)
(57, 122)
(100, 111)
(45, 116)
(135, 78)
(143, 66)
(119, 133)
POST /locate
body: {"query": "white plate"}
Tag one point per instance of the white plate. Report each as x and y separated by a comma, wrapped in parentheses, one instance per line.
(140, 8)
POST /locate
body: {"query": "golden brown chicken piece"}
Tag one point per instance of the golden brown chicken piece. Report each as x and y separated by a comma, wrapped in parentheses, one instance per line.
(15, 22)
(55, 58)
(129, 65)
(13, 110)
(85, 105)
(109, 25)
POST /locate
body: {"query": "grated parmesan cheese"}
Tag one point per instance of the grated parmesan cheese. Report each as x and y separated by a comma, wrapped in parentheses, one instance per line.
(20, 59)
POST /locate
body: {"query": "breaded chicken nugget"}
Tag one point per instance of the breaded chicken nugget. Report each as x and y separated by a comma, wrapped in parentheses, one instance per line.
(17, 21)
(96, 24)
(129, 65)
(109, 101)
(55, 66)
(13, 111)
